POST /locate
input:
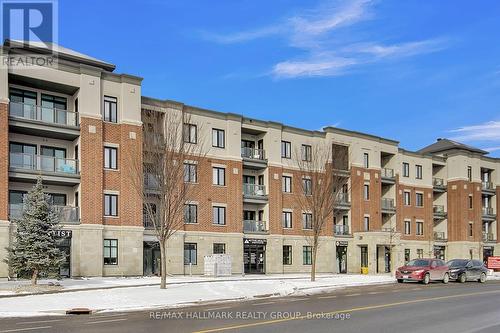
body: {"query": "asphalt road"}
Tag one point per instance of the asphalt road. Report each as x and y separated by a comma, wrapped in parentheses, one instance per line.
(470, 307)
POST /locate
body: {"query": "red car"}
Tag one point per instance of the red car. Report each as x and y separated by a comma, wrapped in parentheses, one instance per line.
(424, 270)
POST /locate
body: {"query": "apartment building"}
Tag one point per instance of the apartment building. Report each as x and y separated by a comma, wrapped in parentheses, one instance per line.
(80, 125)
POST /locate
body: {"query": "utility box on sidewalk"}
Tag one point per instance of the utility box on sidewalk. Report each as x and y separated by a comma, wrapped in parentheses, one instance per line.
(218, 265)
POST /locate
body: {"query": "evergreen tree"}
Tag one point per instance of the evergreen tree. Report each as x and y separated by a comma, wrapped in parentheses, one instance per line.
(34, 251)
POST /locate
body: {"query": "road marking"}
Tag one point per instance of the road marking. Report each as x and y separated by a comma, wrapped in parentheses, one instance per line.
(327, 296)
(105, 321)
(363, 308)
(352, 295)
(264, 303)
(26, 329)
(38, 322)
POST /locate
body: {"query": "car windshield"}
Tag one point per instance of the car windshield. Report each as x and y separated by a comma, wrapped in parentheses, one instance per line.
(418, 263)
(457, 263)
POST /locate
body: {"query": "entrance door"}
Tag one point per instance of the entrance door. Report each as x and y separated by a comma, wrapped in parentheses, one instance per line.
(387, 259)
(254, 258)
(342, 259)
(487, 252)
(64, 245)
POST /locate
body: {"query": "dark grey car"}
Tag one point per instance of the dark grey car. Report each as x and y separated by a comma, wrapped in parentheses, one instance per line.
(463, 270)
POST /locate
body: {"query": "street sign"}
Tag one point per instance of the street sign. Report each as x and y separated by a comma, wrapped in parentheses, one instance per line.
(494, 262)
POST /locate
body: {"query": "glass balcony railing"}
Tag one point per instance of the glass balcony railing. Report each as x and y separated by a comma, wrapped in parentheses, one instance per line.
(388, 204)
(438, 182)
(43, 163)
(66, 214)
(341, 230)
(253, 153)
(254, 190)
(488, 237)
(488, 211)
(439, 235)
(438, 209)
(488, 186)
(254, 226)
(388, 173)
(150, 182)
(43, 114)
(343, 199)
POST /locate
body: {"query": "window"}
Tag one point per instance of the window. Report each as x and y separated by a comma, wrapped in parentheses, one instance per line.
(471, 201)
(110, 109)
(407, 198)
(190, 213)
(420, 253)
(52, 107)
(190, 133)
(219, 248)
(364, 256)
(420, 228)
(286, 149)
(307, 186)
(287, 254)
(219, 215)
(307, 255)
(110, 158)
(469, 173)
(307, 220)
(190, 253)
(407, 227)
(366, 223)
(218, 138)
(110, 205)
(471, 229)
(306, 153)
(418, 171)
(219, 176)
(287, 219)
(407, 255)
(419, 199)
(286, 182)
(366, 160)
(366, 192)
(406, 169)
(110, 252)
(190, 172)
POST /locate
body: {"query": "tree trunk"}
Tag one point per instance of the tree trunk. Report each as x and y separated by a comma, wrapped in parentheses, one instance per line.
(163, 264)
(34, 277)
(313, 266)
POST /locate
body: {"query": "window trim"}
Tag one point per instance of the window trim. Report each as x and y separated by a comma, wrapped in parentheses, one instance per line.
(306, 249)
(366, 192)
(110, 246)
(306, 216)
(111, 196)
(286, 149)
(286, 213)
(306, 153)
(419, 171)
(189, 178)
(190, 258)
(284, 184)
(188, 206)
(108, 153)
(110, 100)
(407, 225)
(419, 229)
(406, 169)
(219, 209)
(189, 126)
(407, 195)
(216, 135)
(289, 255)
(216, 176)
(417, 195)
(223, 248)
(366, 160)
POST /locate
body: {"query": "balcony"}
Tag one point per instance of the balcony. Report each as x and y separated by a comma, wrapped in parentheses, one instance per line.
(387, 206)
(254, 193)
(343, 202)
(440, 236)
(488, 237)
(488, 214)
(439, 212)
(341, 230)
(253, 158)
(388, 176)
(66, 214)
(438, 185)
(147, 222)
(150, 182)
(256, 227)
(343, 172)
(488, 188)
(43, 121)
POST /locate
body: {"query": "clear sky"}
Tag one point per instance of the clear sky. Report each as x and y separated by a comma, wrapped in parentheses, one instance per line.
(408, 70)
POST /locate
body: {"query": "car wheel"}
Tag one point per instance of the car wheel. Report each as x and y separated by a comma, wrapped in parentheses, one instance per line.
(427, 279)
(446, 278)
(482, 278)
(462, 278)
(400, 280)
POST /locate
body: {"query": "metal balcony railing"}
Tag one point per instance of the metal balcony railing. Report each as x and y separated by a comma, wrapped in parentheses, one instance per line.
(439, 235)
(488, 186)
(388, 204)
(343, 199)
(438, 182)
(341, 230)
(438, 209)
(488, 237)
(254, 226)
(488, 211)
(43, 114)
(253, 153)
(254, 190)
(44, 163)
(150, 182)
(147, 222)
(66, 214)
(388, 173)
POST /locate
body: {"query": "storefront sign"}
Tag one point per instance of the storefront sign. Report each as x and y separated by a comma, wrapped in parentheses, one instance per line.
(342, 243)
(494, 262)
(62, 233)
(254, 241)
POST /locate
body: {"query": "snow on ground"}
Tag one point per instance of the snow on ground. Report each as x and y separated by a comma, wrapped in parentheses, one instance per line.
(178, 294)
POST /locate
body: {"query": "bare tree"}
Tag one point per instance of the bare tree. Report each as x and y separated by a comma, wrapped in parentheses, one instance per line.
(172, 149)
(324, 182)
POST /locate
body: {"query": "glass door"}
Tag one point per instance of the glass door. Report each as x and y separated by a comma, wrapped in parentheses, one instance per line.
(23, 103)
(54, 109)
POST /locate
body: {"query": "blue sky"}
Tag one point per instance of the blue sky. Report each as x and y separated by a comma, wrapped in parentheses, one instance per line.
(408, 70)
